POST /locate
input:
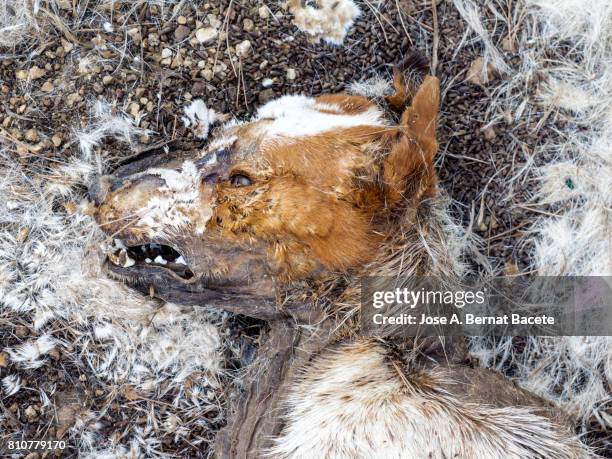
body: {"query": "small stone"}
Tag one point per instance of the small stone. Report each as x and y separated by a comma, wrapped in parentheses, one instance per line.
(47, 86)
(243, 48)
(509, 45)
(33, 455)
(107, 80)
(21, 331)
(220, 67)
(73, 99)
(478, 74)
(134, 109)
(213, 21)
(263, 65)
(66, 45)
(489, 133)
(31, 413)
(177, 61)
(54, 353)
(166, 53)
(206, 34)
(31, 135)
(207, 74)
(56, 140)
(134, 33)
(23, 234)
(248, 25)
(37, 72)
(153, 39)
(264, 13)
(21, 74)
(181, 32)
(291, 74)
(511, 269)
(3, 360)
(181, 20)
(267, 82)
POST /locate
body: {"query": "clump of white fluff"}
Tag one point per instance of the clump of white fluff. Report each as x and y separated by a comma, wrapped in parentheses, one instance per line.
(573, 239)
(50, 275)
(329, 21)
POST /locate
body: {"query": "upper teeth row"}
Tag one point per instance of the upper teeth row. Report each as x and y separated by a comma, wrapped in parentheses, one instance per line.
(121, 257)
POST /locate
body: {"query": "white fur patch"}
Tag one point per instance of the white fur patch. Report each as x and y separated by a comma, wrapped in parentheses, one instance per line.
(329, 21)
(199, 117)
(171, 209)
(301, 116)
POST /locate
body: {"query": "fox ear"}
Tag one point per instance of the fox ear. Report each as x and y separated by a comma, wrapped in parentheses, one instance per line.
(408, 171)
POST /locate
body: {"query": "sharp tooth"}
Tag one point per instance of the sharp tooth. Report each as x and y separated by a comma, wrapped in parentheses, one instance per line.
(148, 260)
(160, 260)
(114, 259)
(121, 259)
(181, 261)
(127, 261)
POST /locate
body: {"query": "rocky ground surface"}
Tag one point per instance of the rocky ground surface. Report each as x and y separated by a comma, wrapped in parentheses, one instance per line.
(151, 61)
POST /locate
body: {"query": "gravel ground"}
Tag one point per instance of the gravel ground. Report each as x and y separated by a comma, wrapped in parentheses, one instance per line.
(151, 67)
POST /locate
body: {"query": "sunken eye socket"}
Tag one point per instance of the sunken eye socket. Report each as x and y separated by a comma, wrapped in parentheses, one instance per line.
(239, 180)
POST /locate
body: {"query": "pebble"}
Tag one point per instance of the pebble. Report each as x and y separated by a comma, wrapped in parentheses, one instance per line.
(267, 82)
(291, 74)
(31, 135)
(3, 360)
(21, 331)
(31, 413)
(134, 108)
(248, 25)
(73, 99)
(47, 86)
(206, 34)
(244, 48)
(166, 53)
(264, 13)
(489, 133)
(37, 72)
(107, 79)
(181, 20)
(213, 21)
(207, 74)
(181, 32)
(57, 140)
(477, 74)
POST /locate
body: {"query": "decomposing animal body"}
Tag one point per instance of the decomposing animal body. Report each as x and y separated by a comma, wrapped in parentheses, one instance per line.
(276, 219)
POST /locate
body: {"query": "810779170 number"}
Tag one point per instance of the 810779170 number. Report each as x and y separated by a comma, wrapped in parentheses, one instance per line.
(30, 445)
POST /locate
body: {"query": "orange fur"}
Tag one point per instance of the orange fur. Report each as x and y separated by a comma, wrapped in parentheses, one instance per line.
(317, 203)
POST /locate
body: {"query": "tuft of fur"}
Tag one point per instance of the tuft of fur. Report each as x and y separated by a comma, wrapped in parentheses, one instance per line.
(353, 404)
(572, 234)
(51, 281)
(329, 21)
